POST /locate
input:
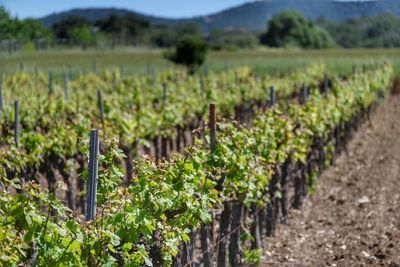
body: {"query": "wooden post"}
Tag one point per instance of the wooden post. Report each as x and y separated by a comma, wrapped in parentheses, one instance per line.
(272, 96)
(213, 128)
(273, 206)
(213, 144)
(254, 229)
(206, 245)
(16, 122)
(223, 232)
(66, 87)
(234, 245)
(285, 178)
(93, 174)
(101, 106)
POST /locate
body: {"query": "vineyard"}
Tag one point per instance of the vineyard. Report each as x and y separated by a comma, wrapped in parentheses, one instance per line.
(179, 170)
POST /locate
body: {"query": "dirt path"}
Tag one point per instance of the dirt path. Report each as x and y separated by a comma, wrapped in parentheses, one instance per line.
(354, 218)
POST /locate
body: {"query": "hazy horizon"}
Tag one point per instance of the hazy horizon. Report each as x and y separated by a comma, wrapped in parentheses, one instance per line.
(162, 8)
(169, 9)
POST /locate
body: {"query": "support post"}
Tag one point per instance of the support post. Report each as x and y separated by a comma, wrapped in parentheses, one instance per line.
(101, 106)
(93, 175)
(50, 85)
(304, 94)
(213, 128)
(16, 122)
(66, 87)
(272, 96)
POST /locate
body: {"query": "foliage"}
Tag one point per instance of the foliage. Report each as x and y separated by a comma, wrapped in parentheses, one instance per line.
(164, 202)
(123, 29)
(291, 29)
(232, 40)
(379, 31)
(76, 30)
(23, 30)
(62, 29)
(190, 51)
(168, 36)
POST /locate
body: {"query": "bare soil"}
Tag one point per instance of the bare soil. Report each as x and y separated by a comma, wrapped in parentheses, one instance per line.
(354, 217)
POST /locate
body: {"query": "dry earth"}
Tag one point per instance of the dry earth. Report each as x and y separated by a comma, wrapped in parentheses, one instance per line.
(354, 218)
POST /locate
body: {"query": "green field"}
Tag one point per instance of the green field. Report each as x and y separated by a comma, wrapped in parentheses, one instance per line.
(137, 60)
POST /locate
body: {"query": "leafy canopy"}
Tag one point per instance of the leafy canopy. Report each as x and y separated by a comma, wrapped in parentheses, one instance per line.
(291, 29)
(190, 51)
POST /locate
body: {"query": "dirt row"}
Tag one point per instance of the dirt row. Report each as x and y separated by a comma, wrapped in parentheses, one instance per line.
(354, 217)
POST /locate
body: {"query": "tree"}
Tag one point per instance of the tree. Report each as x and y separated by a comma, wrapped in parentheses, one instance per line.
(21, 30)
(232, 39)
(168, 36)
(379, 31)
(6, 24)
(291, 29)
(64, 28)
(190, 51)
(123, 29)
(31, 29)
(83, 36)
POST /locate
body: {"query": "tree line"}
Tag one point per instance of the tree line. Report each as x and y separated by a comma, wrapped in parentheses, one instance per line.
(287, 29)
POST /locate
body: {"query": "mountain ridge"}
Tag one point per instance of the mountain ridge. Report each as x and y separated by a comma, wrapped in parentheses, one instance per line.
(252, 15)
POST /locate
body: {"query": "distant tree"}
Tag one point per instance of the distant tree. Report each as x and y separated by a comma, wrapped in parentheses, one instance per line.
(162, 36)
(6, 24)
(76, 30)
(232, 39)
(123, 29)
(83, 36)
(379, 31)
(168, 36)
(185, 29)
(64, 28)
(291, 29)
(190, 51)
(31, 29)
(21, 30)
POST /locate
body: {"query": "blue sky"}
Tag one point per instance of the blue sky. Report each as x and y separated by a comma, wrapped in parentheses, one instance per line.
(167, 8)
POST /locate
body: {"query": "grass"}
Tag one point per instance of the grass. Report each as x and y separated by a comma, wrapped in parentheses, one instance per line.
(137, 60)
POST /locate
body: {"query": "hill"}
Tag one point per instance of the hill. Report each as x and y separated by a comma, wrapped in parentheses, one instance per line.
(253, 15)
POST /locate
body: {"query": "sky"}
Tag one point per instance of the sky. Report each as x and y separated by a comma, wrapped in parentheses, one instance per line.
(165, 8)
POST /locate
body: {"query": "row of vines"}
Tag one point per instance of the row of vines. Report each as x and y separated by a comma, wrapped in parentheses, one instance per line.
(191, 208)
(153, 115)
